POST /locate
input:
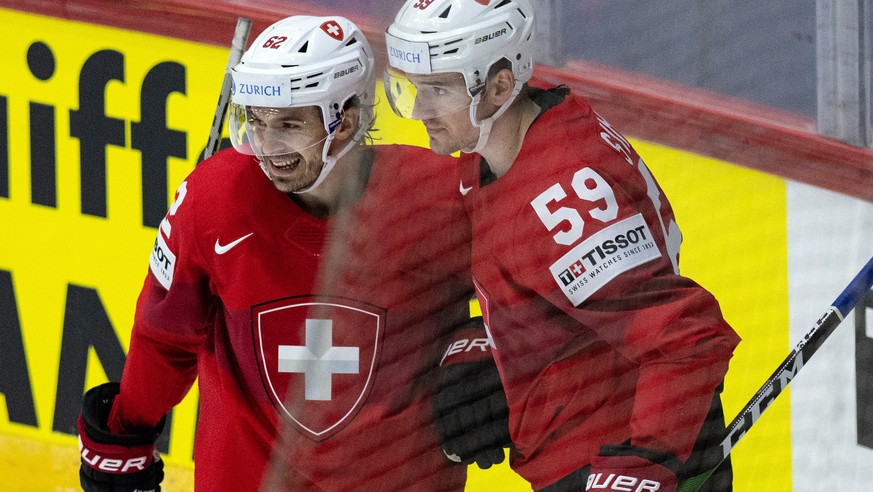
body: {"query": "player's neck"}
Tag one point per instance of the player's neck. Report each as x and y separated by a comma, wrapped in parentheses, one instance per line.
(343, 186)
(507, 135)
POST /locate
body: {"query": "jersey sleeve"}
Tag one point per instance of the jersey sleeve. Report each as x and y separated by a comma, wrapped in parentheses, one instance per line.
(173, 314)
(601, 244)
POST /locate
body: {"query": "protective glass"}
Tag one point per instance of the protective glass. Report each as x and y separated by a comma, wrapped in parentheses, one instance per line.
(274, 131)
(426, 96)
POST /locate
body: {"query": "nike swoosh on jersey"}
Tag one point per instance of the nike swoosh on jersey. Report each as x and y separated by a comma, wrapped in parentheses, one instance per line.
(464, 191)
(224, 248)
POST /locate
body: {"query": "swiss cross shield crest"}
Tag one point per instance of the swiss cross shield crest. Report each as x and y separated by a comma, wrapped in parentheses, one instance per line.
(333, 29)
(317, 357)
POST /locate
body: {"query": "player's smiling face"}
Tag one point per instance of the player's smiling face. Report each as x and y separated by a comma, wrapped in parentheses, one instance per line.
(443, 106)
(291, 142)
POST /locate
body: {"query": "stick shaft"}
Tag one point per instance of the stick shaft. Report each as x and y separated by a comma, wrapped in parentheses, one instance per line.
(788, 369)
(237, 47)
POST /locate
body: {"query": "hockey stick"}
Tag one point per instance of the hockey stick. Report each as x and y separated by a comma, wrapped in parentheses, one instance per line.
(839, 309)
(237, 47)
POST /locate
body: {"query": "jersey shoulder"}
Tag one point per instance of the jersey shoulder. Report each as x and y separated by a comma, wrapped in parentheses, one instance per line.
(223, 172)
(228, 183)
(415, 170)
(411, 161)
(579, 132)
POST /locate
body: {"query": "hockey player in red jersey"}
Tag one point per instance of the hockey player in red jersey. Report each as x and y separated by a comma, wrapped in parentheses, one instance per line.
(612, 362)
(310, 282)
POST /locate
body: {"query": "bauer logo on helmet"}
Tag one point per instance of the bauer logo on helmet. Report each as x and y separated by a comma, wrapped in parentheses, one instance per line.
(342, 72)
(488, 37)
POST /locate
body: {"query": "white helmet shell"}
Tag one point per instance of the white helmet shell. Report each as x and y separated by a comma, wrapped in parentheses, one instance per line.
(307, 61)
(466, 36)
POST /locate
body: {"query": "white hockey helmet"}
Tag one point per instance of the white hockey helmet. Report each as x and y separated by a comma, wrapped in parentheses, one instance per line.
(304, 61)
(463, 36)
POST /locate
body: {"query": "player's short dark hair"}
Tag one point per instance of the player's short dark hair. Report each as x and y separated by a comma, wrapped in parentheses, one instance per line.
(501, 64)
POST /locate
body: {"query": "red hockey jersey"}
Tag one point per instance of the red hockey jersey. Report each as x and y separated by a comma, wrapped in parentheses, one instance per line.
(315, 340)
(597, 337)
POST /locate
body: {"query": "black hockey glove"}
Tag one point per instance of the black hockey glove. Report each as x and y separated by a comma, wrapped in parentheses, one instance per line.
(113, 462)
(472, 416)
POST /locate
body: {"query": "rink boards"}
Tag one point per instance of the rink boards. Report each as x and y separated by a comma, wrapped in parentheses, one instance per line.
(75, 249)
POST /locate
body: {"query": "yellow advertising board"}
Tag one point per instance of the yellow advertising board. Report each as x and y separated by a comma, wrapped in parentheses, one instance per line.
(99, 125)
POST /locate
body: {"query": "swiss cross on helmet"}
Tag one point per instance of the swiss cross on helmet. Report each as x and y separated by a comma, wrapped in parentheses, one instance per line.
(333, 29)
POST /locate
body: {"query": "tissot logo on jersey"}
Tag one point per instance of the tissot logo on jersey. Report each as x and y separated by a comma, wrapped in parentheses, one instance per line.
(608, 253)
(162, 262)
(600, 252)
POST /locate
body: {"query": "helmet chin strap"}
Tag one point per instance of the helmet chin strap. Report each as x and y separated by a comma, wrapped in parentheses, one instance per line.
(330, 161)
(485, 125)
